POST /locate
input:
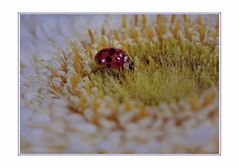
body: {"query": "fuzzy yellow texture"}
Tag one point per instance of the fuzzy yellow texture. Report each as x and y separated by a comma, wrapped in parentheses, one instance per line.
(176, 70)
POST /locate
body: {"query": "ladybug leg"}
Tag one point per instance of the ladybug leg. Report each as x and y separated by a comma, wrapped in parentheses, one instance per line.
(97, 69)
(122, 72)
(118, 74)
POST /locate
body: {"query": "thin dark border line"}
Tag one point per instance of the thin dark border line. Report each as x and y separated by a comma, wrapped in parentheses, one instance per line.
(146, 154)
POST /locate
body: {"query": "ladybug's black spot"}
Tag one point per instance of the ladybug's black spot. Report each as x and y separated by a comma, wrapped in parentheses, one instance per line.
(112, 51)
(108, 65)
(108, 59)
(118, 63)
(99, 61)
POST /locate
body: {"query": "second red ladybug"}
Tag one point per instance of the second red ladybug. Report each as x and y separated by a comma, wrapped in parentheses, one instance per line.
(113, 58)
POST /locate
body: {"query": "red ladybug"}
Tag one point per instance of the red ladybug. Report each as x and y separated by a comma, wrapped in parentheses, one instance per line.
(113, 58)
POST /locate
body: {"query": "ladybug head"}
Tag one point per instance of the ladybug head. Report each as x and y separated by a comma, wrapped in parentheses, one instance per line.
(128, 64)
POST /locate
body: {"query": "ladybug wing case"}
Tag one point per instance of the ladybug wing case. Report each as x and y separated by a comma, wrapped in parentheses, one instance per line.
(110, 58)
